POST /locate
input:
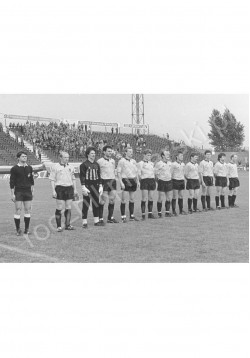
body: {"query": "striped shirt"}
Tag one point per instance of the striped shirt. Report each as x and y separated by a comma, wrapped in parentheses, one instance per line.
(163, 170)
(62, 175)
(206, 168)
(192, 170)
(177, 170)
(107, 168)
(127, 168)
(89, 173)
(146, 169)
(220, 169)
(232, 170)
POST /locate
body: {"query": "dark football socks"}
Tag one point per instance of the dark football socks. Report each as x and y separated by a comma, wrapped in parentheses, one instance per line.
(101, 207)
(123, 205)
(203, 201)
(190, 204)
(150, 206)
(217, 201)
(67, 214)
(110, 211)
(58, 216)
(180, 203)
(222, 200)
(208, 201)
(17, 221)
(131, 206)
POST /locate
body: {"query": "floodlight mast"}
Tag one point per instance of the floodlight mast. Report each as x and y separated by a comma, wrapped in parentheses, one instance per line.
(137, 113)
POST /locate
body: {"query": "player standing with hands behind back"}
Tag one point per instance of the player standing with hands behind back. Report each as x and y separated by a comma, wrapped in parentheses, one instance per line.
(22, 190)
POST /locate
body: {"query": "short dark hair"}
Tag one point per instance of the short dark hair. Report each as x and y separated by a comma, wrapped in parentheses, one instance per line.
(193, 155)
(221, 155)
(208, 151)
(106, 147)
(20, 153)
(231, 157)
(147, 151)
(178, 153)
(88, 150)
(163, 151)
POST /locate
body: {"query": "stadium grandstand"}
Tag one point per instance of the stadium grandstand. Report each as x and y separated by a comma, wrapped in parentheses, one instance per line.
(44, 140)
(53, 137)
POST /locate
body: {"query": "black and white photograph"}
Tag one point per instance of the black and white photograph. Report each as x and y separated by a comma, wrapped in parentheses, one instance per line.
(124, 178)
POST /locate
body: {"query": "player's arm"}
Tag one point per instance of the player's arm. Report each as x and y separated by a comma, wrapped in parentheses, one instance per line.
(12, 184)
(186, 171)
(201, 172)
(32, 181)
(215, 170)
(52, 179)
(99, 179)
(139, 171)
(82, 176)
(119, 173)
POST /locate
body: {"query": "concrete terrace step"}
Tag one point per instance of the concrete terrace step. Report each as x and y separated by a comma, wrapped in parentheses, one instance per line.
(28, 145)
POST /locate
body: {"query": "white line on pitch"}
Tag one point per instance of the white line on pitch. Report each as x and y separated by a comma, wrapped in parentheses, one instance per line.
(33, 254)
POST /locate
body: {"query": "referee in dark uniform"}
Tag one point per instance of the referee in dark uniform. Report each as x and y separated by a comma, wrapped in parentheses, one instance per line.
(22, 190)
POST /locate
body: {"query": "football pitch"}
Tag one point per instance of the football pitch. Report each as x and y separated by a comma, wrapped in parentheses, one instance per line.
(217, 236)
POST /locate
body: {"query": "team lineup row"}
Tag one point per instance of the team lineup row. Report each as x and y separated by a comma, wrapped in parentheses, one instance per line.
(99, 185)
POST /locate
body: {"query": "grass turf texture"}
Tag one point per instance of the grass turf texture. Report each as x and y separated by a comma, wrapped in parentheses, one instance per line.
(218, 236)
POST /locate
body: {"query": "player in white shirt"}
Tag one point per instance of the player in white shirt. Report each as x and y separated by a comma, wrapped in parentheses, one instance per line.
(107, 172)
(128, 177)
(221, 181)
(207, 180)
(193, 182)
(178, 180)
(165, 185)
(233, 181)
(147, 183)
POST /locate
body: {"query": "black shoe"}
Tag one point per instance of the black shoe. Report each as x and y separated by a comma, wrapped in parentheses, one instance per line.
(151, 216)
(183, 212)
(100, 223)
(198, 211)
(84, 226)
(69, 227)
(190, 211)
(218, 208)
(112, 221)
(19, 232)
(168, 215)
(159, 215)
(204, 210)
(26, 232)
(133, 218)
(175, 213)
(124, 220)
(143, 218)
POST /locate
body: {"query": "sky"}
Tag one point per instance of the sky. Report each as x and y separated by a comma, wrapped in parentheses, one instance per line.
(184, 117)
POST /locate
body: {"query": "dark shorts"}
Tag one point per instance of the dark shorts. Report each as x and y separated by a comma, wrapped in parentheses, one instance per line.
(178, 184)
(221, 181)
(109, 184)
(64, 192)
(23, 195)
(233, 183)
(193, 184)
(130, 184)
(164, 186)
(148, 184)
(208, 181)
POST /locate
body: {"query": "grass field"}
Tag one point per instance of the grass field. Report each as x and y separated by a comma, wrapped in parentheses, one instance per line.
(218, 236)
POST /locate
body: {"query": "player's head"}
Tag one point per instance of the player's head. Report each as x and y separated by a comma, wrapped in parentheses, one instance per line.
(147, 154)
(194, 157)
(165, 155)
(234, 158)
(107, 151)
(222, 157)
(208, 154)
(22, 157)
(90, 153)
(129, 152)
(64, 157)
(179, 156)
